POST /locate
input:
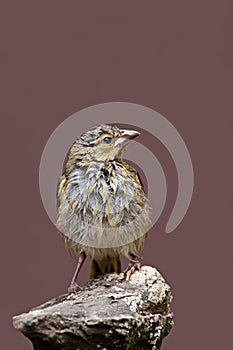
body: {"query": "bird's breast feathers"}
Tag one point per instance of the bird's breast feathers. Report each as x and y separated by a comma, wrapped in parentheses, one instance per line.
(99, 197)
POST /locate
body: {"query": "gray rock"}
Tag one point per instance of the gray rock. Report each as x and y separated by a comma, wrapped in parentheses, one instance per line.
(108, 313)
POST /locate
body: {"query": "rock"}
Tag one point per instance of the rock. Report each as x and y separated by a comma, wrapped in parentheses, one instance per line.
(108, 313)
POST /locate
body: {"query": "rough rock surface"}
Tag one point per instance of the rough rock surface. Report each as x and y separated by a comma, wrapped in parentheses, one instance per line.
(108, 313)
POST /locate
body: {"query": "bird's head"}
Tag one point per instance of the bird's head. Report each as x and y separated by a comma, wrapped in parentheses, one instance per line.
(103, 143)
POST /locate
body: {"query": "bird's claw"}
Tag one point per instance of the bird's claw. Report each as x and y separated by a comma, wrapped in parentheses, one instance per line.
(73, 288)
(131, 268)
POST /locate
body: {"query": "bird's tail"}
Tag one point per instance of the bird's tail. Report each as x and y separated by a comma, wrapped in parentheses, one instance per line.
(105, 265)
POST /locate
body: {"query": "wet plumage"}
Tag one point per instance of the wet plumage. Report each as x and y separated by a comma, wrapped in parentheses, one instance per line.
(102, 209)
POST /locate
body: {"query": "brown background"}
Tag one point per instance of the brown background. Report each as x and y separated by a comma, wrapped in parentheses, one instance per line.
(58, 57)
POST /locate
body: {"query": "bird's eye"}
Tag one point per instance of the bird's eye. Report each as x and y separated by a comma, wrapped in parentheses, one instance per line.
(107, 139)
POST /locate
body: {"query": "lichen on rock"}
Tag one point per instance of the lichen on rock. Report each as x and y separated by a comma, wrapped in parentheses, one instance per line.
(108, 313)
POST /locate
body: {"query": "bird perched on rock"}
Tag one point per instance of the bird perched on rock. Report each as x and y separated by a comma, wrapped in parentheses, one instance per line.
(102, 208)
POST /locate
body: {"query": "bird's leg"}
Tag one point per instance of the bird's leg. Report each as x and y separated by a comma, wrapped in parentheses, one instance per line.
(133, 266)
(74, 287)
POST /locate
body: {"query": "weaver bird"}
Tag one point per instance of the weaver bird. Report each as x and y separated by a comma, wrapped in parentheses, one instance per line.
(103, 211)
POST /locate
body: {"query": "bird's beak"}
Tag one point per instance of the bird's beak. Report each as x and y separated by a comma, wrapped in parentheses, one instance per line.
(125, 137)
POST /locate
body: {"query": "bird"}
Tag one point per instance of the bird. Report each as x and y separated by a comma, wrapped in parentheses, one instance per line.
(102, 209)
